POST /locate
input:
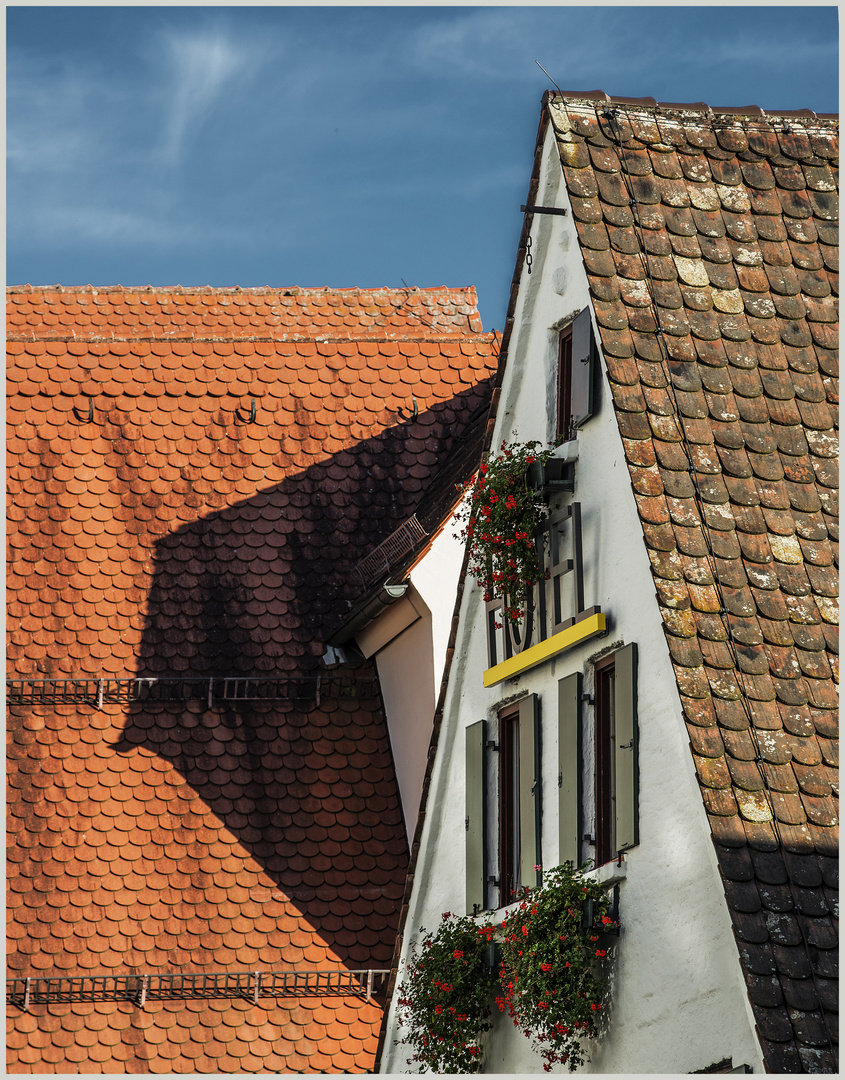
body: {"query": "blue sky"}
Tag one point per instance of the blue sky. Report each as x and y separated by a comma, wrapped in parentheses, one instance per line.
(338, 145)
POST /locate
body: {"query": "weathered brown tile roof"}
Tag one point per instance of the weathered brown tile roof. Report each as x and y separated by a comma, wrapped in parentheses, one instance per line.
(175, 536)
(710, 241)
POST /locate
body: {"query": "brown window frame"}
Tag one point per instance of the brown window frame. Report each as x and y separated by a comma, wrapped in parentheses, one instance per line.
(605, 761)
(564, 384)
(509, 806)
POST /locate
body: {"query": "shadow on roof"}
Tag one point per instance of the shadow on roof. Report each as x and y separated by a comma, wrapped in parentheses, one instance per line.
(291, 756)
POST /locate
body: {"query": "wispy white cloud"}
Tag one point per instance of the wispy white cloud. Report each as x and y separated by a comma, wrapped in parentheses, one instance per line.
(776, 51)
(144, 229)
(265, 143)
(109, 225)
(47, 110)
(493, 43)
(201, 66)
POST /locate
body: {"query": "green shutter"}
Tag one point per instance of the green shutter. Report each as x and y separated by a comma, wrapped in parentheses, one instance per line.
(569, 768)
(475, 799)
(625, 749)
(529, 790)
(584, 364)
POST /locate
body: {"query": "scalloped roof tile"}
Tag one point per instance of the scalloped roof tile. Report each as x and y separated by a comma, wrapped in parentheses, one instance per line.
(158, 528)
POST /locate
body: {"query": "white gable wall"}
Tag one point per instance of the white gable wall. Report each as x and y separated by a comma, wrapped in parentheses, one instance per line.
(410, 661)
(406, 678)
(679, 1001)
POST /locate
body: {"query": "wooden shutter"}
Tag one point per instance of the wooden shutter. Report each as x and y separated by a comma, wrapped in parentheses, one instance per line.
(474, 822)
(529, 789)
(584, 364)
(625, 750)
(569, 742)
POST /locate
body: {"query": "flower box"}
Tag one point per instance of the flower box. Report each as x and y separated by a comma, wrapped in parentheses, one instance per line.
(501, 519)
(555, 964)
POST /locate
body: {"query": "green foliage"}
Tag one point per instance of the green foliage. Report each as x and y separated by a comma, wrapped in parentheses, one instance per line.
(553, 977)
(553, 986)
(446, 994)
(501, 522)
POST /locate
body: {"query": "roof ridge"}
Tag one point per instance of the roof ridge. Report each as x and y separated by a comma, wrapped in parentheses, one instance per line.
(590, 98)
(286, 339)
(235, 290)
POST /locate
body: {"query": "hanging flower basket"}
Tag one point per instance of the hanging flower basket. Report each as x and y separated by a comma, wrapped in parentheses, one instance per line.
(554, 953)
(444, 999)
(501, 518)
(548, 963)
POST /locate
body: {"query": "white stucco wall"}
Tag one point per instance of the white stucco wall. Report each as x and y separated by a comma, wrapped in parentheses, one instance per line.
(410, 667)
(435, 578)
(679, 1001)
(406, 675)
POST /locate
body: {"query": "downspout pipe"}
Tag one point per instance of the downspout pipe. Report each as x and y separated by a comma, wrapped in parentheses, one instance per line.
(374, 604)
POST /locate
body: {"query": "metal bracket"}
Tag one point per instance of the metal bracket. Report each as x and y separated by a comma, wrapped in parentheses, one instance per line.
(411, 415)
(531, 209)
(251, 417)
(85, 419)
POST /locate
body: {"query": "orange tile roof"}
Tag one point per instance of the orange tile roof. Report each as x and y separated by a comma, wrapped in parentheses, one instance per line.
(174, 536)
(214, 1036)
(710, 241)
(169, 448)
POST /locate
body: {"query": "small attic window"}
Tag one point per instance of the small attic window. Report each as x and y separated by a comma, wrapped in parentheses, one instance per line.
(576, 378)
(564, 383)
(509, 807)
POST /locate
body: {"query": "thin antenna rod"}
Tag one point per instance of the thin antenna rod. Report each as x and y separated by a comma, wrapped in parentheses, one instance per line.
(548, 76)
